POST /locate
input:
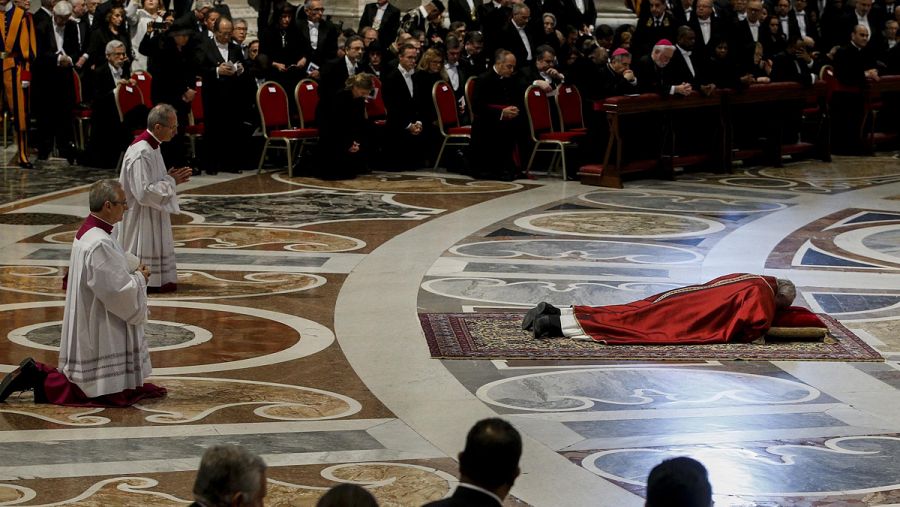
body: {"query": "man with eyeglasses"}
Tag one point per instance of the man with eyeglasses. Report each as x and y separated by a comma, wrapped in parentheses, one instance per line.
(318, 36)
(150, 189)
(103, 356)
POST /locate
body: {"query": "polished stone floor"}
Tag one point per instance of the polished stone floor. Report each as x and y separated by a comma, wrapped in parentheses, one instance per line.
(295, 332)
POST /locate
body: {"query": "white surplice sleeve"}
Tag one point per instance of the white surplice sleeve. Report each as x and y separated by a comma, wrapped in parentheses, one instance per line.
(123, 294)
(150, 184)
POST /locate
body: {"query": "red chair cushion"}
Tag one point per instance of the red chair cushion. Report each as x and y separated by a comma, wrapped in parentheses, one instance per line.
(461, 131)
(82, 113)
(295, 133)
(591, 169)
(380, 123)
(194, 129)
(565, 137)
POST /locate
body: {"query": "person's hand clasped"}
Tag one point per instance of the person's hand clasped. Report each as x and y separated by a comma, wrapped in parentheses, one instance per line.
(683, 89)
(144, 270)
(181, 174)
(509, 112)
(226, 69)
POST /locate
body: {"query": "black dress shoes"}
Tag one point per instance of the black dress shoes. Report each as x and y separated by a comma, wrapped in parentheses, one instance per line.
(23, 378)
(542, 308)
(26, 165)
(547, 326)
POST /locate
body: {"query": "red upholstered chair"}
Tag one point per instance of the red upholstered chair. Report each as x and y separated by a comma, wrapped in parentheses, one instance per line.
(537, 106)
(306, 95)
(195, 127)
(275, 120)
(81, 114)
(469, 91)
(144, 81)
(375, 110)
(448, 120)
(127, 98)
(568, 103)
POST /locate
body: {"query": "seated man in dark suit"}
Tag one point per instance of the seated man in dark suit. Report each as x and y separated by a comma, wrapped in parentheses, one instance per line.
(793, 65)
(404, 120)
(488, 466)
(109, 135)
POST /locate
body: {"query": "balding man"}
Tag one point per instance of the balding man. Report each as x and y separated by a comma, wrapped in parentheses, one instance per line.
(518, 37)
(854, 65)
(747, 34)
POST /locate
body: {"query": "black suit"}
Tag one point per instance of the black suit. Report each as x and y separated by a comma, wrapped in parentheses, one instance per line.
(742, 43)
(492, 20)
(109, 136)
(327, 46)
(390, 22)
(225, 101)
(333, 75)
(41, 19)
(512, 41)
(575, 17)
(402, 110)
(465, 497)
(646, 34)
(653, 78)
(680, 72)
(788, 68)
(459, 11)
(850, 65)
(494, 139)
(849, 21)
(53, 96)
(716, 32)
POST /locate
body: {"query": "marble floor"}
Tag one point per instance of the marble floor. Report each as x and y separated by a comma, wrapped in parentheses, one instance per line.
(296, 332)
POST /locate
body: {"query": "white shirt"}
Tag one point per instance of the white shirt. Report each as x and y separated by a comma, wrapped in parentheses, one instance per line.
(785, 26)
(580, 5)
(742, 16)
(687, 14)
(525, 41)
(379, 15)
(453, 73)
(801, 22)
(116, 73)
(407, 76)
(705, 29)
(687, 58)
(313, 34)
(351, 67)
(223, 50)
(754, 31)
(863, 20)
(59, 32)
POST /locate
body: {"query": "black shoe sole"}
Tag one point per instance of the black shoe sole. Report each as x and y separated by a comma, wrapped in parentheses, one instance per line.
(7, 387)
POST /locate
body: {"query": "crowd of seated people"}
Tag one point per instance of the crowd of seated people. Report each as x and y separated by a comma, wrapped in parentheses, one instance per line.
(688, 47)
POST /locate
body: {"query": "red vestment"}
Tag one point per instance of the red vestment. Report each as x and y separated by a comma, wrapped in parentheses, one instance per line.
(737, 307)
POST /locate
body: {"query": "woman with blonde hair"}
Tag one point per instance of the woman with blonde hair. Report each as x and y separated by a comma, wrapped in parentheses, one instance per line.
(429, 71)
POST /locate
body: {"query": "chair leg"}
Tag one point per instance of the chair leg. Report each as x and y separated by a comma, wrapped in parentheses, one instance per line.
(193, 141)
(262, 157)
(290, 160)
(562, 158)
(437, 161)
(531, 159)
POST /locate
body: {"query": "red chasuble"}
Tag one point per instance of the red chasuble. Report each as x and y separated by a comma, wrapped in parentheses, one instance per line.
(732, 308)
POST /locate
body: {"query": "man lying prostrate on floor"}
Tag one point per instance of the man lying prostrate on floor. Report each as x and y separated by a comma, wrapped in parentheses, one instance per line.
(103, 356)
(739, 307)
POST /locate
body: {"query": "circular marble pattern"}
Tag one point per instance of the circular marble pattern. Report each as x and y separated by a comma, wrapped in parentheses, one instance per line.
(849, 169)
(879, 243)
(627, 224)
(247, 238)
(404, 184)
(758, 182)
(192, 284)
(232, 344)
(160, 335)
(654, 201)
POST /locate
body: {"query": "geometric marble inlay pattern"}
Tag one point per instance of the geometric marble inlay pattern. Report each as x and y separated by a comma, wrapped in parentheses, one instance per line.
(830, 468)
(257, 238)
(624, 224)
(404, 184)
(298, 208)
(654, 201)
(578, 250)
(647, 388)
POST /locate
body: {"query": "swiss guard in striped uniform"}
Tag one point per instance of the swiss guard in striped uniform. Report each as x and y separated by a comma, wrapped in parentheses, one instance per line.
(18, 50)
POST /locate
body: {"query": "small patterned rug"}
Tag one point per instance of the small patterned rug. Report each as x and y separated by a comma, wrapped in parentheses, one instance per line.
(500, 336)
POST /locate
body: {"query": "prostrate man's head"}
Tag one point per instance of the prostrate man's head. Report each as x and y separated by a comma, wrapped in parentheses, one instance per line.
(230, 475)
(491, 457)
(162, 122)
(106, 200)
(679, 482)
(785, 294)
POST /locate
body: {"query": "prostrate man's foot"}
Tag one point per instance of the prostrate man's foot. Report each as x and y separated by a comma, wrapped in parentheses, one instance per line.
(23, 378)
(547, 326)
(543, 308)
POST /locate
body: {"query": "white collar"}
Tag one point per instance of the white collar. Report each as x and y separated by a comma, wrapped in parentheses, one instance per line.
(704, 21)
(310, 23)
(754, 24)
(219, 45)
(405, 72)
(685, 52)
